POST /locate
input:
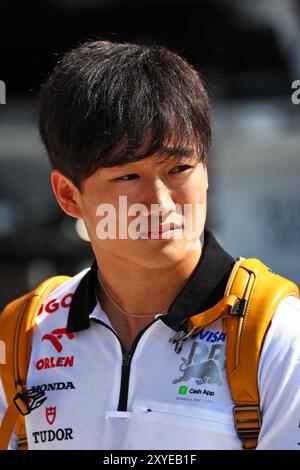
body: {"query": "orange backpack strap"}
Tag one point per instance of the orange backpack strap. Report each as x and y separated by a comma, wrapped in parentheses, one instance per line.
(16, 326)
(260, 292)
(252, 296)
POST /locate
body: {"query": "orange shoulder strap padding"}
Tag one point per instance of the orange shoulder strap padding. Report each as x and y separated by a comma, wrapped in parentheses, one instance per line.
(261, 292)
(16, 326)
(251, 298)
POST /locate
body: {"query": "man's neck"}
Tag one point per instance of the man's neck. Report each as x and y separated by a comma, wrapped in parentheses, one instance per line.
(137, 289)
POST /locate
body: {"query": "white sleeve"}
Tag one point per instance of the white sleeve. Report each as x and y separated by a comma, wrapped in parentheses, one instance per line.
(13, 441)
(279, 380)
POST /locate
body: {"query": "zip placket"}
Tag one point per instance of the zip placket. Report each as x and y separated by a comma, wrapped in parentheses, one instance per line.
(126, 363)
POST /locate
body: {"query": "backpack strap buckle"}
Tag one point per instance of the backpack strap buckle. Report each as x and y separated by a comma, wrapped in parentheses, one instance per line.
(29, 400)
(239, 309)
(247, 422)
(180, 337)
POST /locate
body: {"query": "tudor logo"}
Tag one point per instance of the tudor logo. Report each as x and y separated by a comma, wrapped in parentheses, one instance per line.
(51, 414)
(56, 335)
(61, 434)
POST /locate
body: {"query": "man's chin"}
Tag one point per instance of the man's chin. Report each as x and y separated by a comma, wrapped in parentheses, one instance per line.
(165, 253)
(162, 241)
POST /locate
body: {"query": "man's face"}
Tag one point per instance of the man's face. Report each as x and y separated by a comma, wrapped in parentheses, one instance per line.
(119, 204)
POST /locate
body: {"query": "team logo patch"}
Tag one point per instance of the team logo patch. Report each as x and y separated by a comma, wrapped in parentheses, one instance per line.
(56, 335)
(204, 363)
(54, 386)
(51, 414)
(50, 435)
(51, 362)
(53, 305)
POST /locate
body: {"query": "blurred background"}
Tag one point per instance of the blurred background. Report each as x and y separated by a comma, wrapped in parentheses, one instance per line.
(248, 52)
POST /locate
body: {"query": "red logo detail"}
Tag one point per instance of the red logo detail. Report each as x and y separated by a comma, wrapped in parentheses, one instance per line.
(50, 362)
(54, 304)
(51, 414)
(56, 335)
(66, 303)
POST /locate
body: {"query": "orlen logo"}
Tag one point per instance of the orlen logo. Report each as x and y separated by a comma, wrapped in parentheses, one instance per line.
(53, 305)
(51, 414)
(51, 362)
(56, 335)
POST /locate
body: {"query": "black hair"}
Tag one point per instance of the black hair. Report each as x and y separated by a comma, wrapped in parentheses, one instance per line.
(108, 103)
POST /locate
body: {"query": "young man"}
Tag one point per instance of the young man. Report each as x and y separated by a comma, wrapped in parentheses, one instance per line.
(127, 130)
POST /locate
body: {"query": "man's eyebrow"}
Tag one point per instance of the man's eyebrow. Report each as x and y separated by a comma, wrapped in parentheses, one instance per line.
(178, 151)
(176, 154)
(168, 154)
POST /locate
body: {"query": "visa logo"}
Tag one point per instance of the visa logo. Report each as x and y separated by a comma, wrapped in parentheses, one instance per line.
(212, 336)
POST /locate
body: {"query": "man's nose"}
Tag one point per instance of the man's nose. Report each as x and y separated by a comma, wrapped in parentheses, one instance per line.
(158, 196)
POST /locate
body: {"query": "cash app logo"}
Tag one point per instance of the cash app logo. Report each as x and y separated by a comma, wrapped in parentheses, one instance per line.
(182, 390)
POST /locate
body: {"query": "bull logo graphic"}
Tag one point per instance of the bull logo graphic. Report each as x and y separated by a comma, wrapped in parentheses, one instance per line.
(202, 365)
(55, 336)
(51, 414)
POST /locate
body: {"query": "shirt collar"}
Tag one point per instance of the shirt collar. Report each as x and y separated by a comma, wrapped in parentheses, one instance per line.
(204, 288)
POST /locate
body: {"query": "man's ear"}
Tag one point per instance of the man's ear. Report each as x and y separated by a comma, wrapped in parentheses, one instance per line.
(67, 194)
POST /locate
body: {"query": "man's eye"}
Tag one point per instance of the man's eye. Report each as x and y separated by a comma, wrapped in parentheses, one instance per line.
(181, 168)
(131, 176)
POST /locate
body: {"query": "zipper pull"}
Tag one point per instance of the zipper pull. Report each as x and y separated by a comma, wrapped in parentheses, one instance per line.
(180, 337)
(180, 334)
(126, 359)
(147, 410)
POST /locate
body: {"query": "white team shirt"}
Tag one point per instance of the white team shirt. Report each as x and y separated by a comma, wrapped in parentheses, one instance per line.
(98, 397)
(174, 401)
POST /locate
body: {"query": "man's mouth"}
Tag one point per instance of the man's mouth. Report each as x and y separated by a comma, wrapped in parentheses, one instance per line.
(163, 232)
